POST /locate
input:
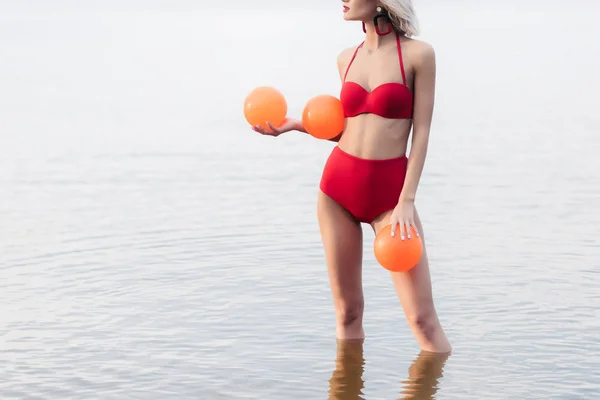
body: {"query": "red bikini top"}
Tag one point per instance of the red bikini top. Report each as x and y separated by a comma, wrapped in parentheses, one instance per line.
(389, 100)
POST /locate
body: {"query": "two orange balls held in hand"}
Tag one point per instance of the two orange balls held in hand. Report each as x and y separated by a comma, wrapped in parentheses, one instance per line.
(265, 104)
(323, 117)
(395, 254)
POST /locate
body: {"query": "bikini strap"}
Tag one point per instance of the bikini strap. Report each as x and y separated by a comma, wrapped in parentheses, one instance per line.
(352, 59)
(400, 57)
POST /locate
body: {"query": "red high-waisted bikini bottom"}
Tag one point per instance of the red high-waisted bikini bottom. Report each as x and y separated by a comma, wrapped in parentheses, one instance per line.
(365, 188)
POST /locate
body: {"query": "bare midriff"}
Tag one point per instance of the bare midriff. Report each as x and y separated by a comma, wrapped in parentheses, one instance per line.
(370, 136)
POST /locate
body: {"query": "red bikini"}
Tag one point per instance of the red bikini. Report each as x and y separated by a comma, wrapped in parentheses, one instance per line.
(389, 100)
(367, 188)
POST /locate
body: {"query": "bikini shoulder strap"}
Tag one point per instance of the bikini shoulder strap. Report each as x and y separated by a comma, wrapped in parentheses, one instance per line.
(352, 59)
(400, 57)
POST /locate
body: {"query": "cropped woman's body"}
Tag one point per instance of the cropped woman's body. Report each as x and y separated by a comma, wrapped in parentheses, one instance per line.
(388, 87)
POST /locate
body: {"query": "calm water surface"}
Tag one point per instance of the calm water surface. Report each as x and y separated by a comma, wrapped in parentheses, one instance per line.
(153, 246)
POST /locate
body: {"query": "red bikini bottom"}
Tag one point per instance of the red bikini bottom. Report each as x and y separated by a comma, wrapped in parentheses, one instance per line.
(365, 188)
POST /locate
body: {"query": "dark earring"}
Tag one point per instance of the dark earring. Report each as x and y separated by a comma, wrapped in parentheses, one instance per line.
(364, 28)
(381, 13)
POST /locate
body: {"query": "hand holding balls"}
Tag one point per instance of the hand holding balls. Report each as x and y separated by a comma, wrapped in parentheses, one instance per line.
(322, 117)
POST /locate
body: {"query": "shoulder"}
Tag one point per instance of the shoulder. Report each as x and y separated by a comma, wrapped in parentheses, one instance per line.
(343, 59)
(345, 55)
(422, 54)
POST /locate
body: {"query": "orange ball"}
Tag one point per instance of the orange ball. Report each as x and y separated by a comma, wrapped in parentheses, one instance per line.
(323, 117)
(265, 104)
(395, 254)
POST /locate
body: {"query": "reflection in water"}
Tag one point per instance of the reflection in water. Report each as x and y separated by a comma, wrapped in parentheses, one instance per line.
(347, 382)
(423, 376)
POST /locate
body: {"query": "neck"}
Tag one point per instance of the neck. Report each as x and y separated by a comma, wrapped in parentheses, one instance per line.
(373, 41)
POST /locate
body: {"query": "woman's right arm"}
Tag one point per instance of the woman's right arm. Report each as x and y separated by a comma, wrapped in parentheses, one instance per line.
(300, 128)
(290, 124)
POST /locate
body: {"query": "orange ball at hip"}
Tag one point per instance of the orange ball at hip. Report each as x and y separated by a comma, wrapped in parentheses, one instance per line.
(323, 117)
(395, 254)
(265, 104)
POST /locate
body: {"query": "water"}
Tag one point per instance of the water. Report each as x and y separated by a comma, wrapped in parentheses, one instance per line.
(153, 246)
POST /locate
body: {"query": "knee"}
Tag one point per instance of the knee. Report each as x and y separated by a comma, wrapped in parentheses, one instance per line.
(424, 321)
(349, 313)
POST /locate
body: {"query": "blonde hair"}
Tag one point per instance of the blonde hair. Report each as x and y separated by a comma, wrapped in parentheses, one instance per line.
(402, 15)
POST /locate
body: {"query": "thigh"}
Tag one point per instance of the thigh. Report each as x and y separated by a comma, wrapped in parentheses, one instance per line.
(413, 287)
(343, 245)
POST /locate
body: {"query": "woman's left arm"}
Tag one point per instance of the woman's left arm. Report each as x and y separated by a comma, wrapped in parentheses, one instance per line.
(424, 97)
(424, 94)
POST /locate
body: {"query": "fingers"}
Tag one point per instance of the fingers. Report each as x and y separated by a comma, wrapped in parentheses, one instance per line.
(402, 230)
(397, 226)
(413, 224)
(263, 131)
(405, 228)
(394, 223)
(272, 131)
(260, 130)
(409, 226)
(272, 128)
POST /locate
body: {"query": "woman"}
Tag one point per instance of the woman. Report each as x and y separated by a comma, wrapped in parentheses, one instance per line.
(388, 86)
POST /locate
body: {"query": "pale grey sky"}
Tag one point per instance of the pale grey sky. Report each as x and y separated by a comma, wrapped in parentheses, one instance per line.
(237, 6)
(233, 5)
